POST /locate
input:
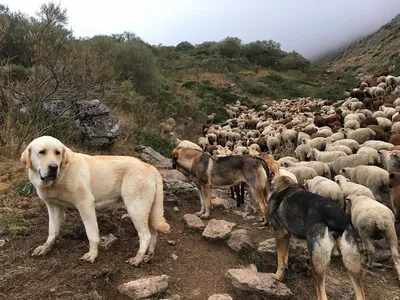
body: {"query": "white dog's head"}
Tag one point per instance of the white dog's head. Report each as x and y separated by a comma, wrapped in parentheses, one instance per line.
(45, 155)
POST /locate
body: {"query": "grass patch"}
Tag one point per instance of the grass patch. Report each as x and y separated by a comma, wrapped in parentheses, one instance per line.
(165, 293)
(24, 188)
(153, 140)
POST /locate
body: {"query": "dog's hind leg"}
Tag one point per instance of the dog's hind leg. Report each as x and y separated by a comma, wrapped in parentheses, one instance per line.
(242, 192)
(207, 201)
(152, 246)
(258, 196)
(55, 211)
(282, 239)
(320, 244)
(351, 257)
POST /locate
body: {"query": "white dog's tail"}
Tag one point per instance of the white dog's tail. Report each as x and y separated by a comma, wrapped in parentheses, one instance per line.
(157, 211)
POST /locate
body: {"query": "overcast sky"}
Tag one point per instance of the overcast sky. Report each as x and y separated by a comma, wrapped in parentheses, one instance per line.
(306, 26)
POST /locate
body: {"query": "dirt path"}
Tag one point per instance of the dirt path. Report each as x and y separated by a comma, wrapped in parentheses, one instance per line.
(198, 272)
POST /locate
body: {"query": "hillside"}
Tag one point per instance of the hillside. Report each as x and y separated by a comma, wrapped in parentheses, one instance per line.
(370, 54)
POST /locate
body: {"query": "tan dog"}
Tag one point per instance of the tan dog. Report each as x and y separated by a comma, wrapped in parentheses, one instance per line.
(208, 172)
(63, 178)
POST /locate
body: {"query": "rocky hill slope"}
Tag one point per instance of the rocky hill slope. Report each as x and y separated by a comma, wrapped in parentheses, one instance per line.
(370, 54)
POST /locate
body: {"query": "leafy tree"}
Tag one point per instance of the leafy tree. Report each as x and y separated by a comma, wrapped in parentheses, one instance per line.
(263, 53)
(184, 46)
(293, 61)
(229, 47)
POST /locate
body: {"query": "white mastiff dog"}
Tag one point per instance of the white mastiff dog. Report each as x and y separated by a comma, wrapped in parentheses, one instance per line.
(63, 178)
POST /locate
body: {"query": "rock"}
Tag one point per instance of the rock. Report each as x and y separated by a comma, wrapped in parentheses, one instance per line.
(174, 256)
(218, 193)
(220, 297)
(381, 255)
(99, 131)
(295, 247)
(151, 156)
(171, 242)
(193, 221)
(2, 243)
(173, 297)
(260, 283)
(107, 241)
(381, 244)
(250, 209)
(337, 289)
(4, 187)
(144, 287)
(172, 175)
(181, 189)
(224, 203)
(92, 118)
(240, 213)
(218, 229)
(176, 208)
(241, 240)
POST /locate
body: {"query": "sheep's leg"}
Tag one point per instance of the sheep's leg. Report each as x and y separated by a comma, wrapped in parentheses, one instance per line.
(369, 247)
(391, 238)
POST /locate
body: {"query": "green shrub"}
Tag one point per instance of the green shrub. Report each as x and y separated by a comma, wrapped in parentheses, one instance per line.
(153, 140)
(184, 46)
(24, 187)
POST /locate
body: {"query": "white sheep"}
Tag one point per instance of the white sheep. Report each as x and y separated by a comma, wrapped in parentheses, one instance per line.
(352, 144)
(301, 151)
(374, 178)
(314, 154)
(284, 159)
(390, 160)
(352, 124)
(189, 144)
(325, 188)
(371, 152)
(283, 172)
(351, 188)
(360, 135)
(320, 167)
(350, 161)
(302, 173)
(370, 217)
(396, 127)
(384, 123)
(318, 143)
(378, 145)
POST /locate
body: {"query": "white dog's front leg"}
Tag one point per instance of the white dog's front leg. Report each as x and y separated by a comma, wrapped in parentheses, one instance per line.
(55, 211)
(88, 216)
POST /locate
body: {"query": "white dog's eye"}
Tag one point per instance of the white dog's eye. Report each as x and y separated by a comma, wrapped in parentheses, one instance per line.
(42, 152)
(57, 152)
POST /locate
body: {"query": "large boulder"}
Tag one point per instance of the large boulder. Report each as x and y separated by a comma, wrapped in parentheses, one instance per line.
(144, 287)
(93, 119)
(218, 229)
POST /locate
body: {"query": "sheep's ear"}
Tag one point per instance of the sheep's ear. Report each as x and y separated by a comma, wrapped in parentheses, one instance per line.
(391, 176)
(343, 170)
(347, 179)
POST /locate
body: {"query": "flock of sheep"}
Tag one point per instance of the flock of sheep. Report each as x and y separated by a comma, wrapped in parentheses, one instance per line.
(347, 151)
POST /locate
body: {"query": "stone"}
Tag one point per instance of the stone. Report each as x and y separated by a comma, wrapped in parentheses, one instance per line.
(261, 283)
(172, 175)
(220, 297)
(194, 222)
(381, 255)
(176, 209)
(241, 240)
(174, 256)
(106, 241)
(2, 243)
(93, 119)
(151, 156)
(144, 287)
(181, 189)
(171, 242)
(218, 229)
(337, 289)
(4, 187)
(224, 203)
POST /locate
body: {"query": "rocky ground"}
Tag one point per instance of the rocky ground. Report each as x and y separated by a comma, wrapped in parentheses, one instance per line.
(198, 259)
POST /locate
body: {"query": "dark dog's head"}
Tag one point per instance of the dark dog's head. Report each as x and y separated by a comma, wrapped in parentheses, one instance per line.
(279, 184)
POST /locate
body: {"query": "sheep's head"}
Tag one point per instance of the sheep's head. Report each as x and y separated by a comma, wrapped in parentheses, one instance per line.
(394, 179)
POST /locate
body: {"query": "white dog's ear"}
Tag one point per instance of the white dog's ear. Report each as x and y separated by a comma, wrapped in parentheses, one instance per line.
(26, 157)
(65, 158)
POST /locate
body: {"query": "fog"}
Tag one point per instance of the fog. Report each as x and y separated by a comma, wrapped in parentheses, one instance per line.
(310, 27)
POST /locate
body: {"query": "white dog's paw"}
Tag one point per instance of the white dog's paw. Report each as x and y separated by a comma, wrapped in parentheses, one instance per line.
(199, 213)
(41, 250)
(90, 256)
(135, 261)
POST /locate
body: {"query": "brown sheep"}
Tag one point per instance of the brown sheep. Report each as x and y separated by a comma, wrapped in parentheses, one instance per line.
(369, 121)
(310, 131)
(388, 104)
(394, 182)
(396, 118)
(284, 121)
(368, 104)
(319, 120)
(318, 134)
(395, 139)
(211, 148)
(380, 134)
(333, 118)
(357, 93)
(376, 104)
